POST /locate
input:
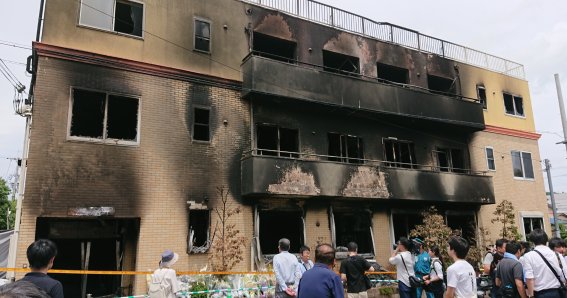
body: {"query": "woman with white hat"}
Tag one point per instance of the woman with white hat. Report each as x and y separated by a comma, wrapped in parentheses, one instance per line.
(164, 282)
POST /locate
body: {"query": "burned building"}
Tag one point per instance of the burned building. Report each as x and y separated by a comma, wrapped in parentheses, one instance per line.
(324, 126)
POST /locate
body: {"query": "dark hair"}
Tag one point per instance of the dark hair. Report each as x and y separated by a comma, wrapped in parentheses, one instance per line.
(512, 247)
(460, 246)
(283, 244)
(501, 242)
(352, 247)
(556, 242)
(435, 249)
(405, 242)
(304, 248)
(324, 253)
(40, 253)
(22, 289)
(525, 245)
(538, 237)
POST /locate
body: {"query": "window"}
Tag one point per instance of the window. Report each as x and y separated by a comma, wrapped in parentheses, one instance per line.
(346, 148)
(277, 141)
(522, 164)
(462, 223)
(392, 74)
(354, 227)
(481, 93)
(199, 231)
(274, 48)
(403, 223)
(531, 223)
(490, 158)
(450, 160)
(202, 36)
(399, 153)
(441, 85)
(103, 116)
(201, 131)
(272, 229)
(340, 63)
(113, 15)
(514, 105)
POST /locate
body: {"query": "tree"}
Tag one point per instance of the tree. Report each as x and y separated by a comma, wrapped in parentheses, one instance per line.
(227, 247)
(505, 215)
(433, 231)
(6, 206)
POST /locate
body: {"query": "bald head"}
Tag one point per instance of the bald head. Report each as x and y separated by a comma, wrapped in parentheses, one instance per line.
(325, 253)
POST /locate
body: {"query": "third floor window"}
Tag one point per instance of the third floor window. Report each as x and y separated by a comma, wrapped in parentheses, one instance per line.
(514, 104)
(113, 15)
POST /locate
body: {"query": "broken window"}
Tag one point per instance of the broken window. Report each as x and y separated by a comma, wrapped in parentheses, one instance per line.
(202, 35)
(276, 224)
(345, 148)
(199, 231)
(450, 160)
(201, 131)
(463, 224)
(441, 85)
(490, 159)
(277, 141)
(403, 223)
(99, 115)
(392, 74)
(113, 15)
(274, 48)
(340, 63)
(532, 223)
(481, 94)
(514, 105)
(522, 164)
(399, 153)
(354, 227)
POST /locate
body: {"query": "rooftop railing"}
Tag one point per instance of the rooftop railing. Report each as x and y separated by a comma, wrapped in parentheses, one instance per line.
(337, 18)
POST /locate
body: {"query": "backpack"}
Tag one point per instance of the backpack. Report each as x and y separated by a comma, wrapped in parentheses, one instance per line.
(443, 272)
(157, 289)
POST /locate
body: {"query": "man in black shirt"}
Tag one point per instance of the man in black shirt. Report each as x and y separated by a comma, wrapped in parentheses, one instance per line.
(352, 271)
(41, 255)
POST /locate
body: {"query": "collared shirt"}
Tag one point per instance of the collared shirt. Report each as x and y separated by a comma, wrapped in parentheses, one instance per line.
(51, 286)
(422, 263)
(301, 268)
(320, 282)
(285, 265)
(536, 268)
(403, 274)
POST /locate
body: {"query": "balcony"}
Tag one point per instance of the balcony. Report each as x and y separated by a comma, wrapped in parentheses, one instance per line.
(265, 78)
(312, 176)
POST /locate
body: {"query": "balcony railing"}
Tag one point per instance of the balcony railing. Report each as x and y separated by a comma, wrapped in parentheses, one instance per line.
(343, 20)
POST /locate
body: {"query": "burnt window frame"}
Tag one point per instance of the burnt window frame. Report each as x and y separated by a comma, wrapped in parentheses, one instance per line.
(112, 29)
(193, 124)
(104, 139)
(210, 39)
(407, 214)
(483, 101)
(398, 164)
(450, 168)
(514, 97)
(207, 245)
(452, 92)
(340, 71)
(345, 157)
(396, 68)
(278, 151)
(460, 214)
(334, 213)
(291, 60)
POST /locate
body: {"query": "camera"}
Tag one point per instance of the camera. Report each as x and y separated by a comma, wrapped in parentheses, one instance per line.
(394, 246)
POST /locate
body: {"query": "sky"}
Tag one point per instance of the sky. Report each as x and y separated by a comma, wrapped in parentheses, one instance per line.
(533, 33)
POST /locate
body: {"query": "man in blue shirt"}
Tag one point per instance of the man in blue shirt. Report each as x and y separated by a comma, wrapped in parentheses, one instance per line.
(422, 266)
(321, 281)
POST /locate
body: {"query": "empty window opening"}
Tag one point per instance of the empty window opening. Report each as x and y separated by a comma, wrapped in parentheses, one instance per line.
(201, 118)
(490, 159)
(532, 223)
(441, 85)
(345, 148)
(199, 231)
(274, 48)
(514, 105)
(94, 244)
(272, 230)
(392, 74)
(354, 226)
(399, 153)
(340, 63)
(202, 40)
(113, 15)
(403, 223)
(463, 225)
(98, 115)
(481, 95)
(450, 160)
(277, 141)
(522, 165)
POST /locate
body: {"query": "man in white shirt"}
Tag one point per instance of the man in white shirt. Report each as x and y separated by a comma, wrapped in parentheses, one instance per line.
(305, 263)
(404, 262)
(285, 265)
(461, 278)
(540, 279)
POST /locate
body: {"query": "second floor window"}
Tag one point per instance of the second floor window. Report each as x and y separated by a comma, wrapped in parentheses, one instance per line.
(450, 160)
(514, 105)
(345, 148)
(399, 154)
(522, 164)
(113, 15)
(202, 36)
(277, 141)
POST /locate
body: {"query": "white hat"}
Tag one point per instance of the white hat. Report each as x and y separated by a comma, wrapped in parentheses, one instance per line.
(168, 258)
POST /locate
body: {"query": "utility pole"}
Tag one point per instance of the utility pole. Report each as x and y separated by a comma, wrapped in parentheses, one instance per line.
(561, 110)
(551, 195)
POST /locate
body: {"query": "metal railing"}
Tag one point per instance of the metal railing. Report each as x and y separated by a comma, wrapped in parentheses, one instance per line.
(310, 157)
(343, 20)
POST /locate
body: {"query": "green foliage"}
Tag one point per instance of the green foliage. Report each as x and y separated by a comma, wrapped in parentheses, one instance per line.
(6, 204)
(505, 215)
(199, 286)
(563, 231)
(387, 291)
(433, 231)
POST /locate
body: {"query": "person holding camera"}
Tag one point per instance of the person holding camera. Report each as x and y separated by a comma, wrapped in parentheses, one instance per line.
(404, 262)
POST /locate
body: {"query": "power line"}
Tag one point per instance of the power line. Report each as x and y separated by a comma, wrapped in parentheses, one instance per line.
(14, 45)
(11, 77)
